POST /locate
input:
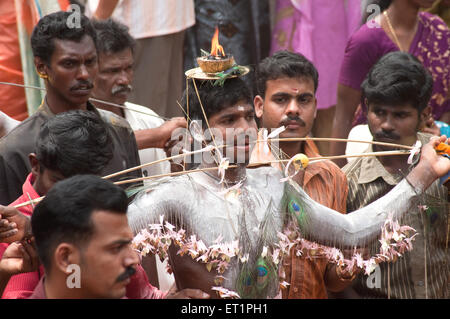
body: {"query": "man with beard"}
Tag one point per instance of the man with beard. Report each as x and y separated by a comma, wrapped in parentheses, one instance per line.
(66, 58)
(397, 91)
(116, 48)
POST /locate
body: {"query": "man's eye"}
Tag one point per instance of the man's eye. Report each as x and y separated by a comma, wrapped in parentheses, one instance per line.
(90, 62)
(68, 64)
(116, 249)
(304, 100)
(280, 100)
(250, 117)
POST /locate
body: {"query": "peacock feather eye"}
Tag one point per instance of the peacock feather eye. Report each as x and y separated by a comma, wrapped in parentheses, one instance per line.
(297, 210)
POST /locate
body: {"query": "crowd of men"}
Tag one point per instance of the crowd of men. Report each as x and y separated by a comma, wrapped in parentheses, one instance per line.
(62, 151)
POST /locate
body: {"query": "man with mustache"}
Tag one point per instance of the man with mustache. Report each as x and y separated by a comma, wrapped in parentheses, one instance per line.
(84, 242)
(397, 91)
(116, 48)
(66, 59)
(286, 86)
(248, 207)
(68, 144)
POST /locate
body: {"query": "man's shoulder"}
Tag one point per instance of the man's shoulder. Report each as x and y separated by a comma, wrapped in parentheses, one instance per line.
(141, 117)
(331, 167)
(352, 169)
(23, 136)
(141, 109)
(114, 120)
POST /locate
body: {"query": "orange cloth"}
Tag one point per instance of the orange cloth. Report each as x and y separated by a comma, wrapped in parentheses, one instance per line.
(12, 99)
(326, 184)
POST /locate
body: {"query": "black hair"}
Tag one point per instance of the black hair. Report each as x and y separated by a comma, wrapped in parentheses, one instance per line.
(74, 142)
(64, 215)
(56, 26)
(112, 36)
(214, 98)
(398, 78)
(284, 64)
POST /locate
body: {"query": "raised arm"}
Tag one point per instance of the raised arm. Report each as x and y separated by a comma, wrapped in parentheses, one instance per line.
(329, 227)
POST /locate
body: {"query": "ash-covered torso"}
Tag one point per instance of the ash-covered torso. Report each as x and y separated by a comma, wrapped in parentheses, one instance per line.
(197, 203)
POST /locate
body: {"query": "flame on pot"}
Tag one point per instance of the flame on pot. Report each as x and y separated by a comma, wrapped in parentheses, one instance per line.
(216, 48)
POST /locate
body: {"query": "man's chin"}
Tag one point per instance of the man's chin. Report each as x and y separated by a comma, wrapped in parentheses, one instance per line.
(79, 101)
(298, 133)
(119, 290)
(119, 99)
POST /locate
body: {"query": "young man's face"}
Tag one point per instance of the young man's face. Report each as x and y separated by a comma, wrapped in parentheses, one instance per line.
(237, 127)
(44, 178)
(288, 102)
(72, 70)
(115, 74)
(394, 124)
(107, 256)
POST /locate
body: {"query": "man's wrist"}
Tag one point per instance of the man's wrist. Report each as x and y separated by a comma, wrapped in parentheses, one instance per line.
(421, 177)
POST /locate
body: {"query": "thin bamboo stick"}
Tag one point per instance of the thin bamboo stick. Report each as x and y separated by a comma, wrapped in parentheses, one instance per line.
(330, 139)
(312, 160)
(91, 99)
(257, 141)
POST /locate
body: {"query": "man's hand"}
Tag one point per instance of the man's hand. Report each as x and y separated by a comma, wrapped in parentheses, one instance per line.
(18, 258)
(167, 128)
(158, 137)
(431, 165)
(14, 225)
(187, 294)
(177, 165)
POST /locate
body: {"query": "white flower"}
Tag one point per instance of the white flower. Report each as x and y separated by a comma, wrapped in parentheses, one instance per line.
(223, 165)
(264, 252)
(273, 134)
(415, 150)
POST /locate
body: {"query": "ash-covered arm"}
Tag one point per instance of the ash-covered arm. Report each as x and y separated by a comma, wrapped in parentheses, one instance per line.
(329, 227)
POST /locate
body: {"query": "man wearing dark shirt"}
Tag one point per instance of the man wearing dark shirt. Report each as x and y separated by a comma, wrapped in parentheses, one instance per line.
(66, 58)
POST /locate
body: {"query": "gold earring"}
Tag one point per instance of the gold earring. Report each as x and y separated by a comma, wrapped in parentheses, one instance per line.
(42, 76)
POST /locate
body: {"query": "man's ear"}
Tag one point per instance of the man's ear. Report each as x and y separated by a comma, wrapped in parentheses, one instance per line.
(41, 67)
(315, 106)
(424, 116)
(65, 255)
(35, 166)
(258, 101)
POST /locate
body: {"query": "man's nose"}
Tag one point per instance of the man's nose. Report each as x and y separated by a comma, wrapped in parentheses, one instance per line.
(387, 124)
(132, 258)
(83, 73)
(123, 78)
(293, 108)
